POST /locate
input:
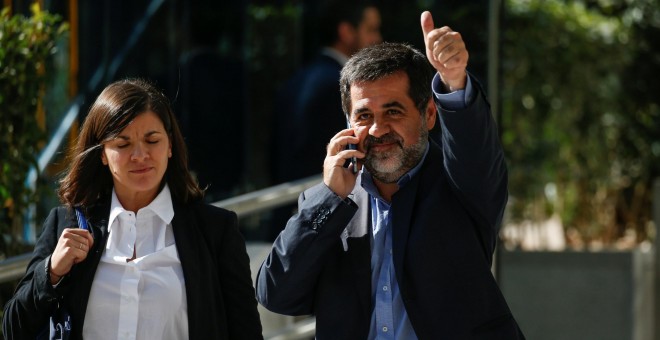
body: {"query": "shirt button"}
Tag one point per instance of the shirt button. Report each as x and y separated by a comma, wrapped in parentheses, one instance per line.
(384, 328)
(390, 251)
(385, 288)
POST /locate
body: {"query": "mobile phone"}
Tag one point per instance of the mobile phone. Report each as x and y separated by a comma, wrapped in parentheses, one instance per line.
(353, 165)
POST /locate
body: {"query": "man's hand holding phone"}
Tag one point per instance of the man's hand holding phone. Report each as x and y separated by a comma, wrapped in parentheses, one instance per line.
(342, 148)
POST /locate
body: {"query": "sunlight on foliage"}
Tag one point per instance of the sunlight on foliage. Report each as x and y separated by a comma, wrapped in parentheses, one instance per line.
(26, 44)
(571, 119)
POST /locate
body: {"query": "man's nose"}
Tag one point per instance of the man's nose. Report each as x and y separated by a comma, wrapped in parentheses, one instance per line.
(379, 128)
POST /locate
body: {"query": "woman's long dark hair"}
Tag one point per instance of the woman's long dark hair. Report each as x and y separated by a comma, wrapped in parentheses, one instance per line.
(88, 180)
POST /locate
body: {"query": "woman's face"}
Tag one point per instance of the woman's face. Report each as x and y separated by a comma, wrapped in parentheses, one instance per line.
(137, 157)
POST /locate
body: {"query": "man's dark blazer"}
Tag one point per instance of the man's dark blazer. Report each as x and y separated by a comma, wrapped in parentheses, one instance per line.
(444, 222)
(216, 270)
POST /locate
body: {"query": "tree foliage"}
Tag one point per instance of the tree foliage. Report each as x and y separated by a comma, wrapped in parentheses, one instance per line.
(26, 44)
(579, 117)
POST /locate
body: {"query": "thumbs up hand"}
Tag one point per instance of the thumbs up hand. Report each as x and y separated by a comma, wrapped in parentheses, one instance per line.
(446, 51)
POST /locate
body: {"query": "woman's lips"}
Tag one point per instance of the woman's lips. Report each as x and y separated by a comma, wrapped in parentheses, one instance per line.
(142, 170)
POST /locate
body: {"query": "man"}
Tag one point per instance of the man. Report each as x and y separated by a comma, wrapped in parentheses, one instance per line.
(308, 109)
(403, 249)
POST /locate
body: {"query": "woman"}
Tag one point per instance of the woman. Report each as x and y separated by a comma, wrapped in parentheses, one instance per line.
(157, 263)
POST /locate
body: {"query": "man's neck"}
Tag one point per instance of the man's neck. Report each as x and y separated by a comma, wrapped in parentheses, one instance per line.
(386, 190)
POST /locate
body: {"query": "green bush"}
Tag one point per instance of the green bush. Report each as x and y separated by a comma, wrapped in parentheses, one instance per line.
(26, 44)
(579, 117)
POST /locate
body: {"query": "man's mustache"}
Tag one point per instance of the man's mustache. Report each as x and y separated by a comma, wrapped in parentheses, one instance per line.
(384, 139)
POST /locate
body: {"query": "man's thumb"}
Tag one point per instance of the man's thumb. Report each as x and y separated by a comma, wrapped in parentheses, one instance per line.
(427, 23)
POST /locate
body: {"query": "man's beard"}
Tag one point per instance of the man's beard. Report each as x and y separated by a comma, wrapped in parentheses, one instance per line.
(389, 166)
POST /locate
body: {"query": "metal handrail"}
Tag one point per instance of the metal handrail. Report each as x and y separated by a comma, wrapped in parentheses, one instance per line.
(303, 329)
(14, 267)
(268, 198)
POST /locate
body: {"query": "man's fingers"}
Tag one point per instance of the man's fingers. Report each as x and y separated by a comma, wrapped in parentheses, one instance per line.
(444, 53)
(340, 141)
(427, 24)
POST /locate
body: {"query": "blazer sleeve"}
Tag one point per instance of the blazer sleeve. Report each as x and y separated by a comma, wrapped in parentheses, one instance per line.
(474, 159)
(287, 278)
(28, 311)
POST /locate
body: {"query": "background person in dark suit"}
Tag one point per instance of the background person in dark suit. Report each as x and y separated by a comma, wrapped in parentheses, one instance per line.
(403, 249)
(150, 236)
(307, 110)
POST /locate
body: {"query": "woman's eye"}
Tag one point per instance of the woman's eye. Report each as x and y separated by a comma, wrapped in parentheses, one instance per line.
(122, 146)
(152, 141)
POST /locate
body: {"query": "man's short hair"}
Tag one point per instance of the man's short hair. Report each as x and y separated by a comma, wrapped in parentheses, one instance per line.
(382, 60)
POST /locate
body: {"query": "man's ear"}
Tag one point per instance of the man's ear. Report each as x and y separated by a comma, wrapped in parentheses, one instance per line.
(431, 114)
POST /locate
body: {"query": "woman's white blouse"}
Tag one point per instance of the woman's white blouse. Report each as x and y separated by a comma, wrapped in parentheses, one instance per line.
(144, 298)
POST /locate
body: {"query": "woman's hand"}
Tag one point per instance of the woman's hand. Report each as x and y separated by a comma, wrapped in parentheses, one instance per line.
(72, 248)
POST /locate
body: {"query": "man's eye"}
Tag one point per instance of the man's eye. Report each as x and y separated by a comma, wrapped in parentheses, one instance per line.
(152, 141)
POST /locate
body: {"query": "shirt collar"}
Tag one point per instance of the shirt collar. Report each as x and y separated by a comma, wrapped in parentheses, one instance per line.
(161, 206)
(334, 54)
(369, 185)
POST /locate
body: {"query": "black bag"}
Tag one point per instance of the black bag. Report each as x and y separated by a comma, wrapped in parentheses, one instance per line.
(59, 327)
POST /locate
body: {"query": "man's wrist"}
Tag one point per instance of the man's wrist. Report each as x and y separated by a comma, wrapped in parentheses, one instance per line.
(452, 85)
(453, 101)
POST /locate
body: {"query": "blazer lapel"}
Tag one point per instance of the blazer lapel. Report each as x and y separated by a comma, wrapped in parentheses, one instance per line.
(184, 230)
(358, 241)
(97, 221)
(403, 203)
(83, 273)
